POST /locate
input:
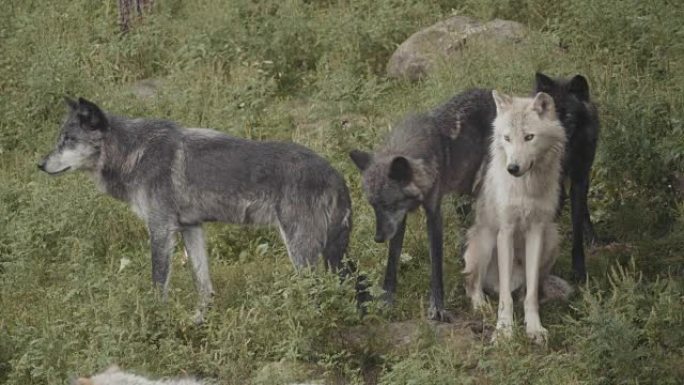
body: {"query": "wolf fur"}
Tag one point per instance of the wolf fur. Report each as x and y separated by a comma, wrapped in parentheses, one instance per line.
(579, 117)
(425, 157)
(177, 178)
(514, 239)
(115, 376)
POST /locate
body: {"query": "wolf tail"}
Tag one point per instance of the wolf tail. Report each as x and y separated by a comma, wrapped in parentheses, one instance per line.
(555, 288)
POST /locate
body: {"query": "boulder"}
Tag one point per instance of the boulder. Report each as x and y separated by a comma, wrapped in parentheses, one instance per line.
(414, 58)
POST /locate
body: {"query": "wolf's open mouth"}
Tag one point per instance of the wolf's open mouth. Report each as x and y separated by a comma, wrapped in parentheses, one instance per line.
(60, 171)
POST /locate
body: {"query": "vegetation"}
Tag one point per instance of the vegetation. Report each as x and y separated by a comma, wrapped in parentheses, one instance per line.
(75, 288)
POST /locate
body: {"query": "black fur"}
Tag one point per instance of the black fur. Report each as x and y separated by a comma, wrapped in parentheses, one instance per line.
(579, 117)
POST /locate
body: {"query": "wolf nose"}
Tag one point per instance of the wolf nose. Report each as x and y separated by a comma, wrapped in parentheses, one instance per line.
(379, 238)
(513, 169)
(41, 165)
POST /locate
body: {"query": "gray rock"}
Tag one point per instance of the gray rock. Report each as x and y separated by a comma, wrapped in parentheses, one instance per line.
(414, 58)
(146, 88)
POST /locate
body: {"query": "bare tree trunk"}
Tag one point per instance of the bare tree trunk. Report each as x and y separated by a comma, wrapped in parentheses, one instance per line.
(125, 11)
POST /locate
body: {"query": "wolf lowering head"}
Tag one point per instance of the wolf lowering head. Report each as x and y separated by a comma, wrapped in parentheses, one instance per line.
(525, 130)
(389, 183)
(79, 143)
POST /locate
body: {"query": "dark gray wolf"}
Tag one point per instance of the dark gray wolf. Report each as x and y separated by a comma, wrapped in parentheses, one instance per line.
(514, 240)
(425, 157)
(579, 117)
(177, 178)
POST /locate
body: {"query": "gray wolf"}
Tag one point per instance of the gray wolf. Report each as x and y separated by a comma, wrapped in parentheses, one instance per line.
(425, 157)
(177, 178)
(514, 239)
(579, 117)
(115, 376)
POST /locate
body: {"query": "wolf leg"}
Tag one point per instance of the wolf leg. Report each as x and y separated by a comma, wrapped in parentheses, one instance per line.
(162, 241)
(394, 253)
(533, 256)
(505, 247)
(303, 240)
(478, 255)
(193, 237)
(578, 192)
(435, 230)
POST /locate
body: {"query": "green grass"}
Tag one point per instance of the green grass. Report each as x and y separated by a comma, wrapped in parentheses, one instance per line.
(295, 70)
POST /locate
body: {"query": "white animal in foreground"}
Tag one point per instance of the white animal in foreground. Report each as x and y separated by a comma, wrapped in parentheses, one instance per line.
(514, 240)
(115, 376)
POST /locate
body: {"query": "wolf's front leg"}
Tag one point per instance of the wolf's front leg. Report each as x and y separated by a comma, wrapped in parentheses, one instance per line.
(162, 240)
(395, 246)
(193, 238)
(435, 230)
(505, 246)
(533, 255)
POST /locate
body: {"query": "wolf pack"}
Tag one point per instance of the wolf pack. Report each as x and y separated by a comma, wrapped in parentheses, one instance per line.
(513, 154)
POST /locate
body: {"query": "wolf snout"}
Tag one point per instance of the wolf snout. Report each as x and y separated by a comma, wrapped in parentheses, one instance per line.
(379, 238)
(41, 165)
(513, 169)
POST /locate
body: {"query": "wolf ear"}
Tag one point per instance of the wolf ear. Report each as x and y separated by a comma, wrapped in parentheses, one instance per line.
(579, 87)
(91, 116)
(502, 101)
(544, 106)
(361, 159)
(543, 83)
(400, 170)
(71, 103)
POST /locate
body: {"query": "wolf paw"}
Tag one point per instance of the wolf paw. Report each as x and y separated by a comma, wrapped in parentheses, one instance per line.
(388, 298)
(440, 315)
(198, 318)
(478, 301)
(504, 331)
(538, 335)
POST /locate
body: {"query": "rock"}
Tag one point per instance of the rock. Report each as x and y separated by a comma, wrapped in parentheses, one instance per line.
(398, 337)
(414, 58)
(146, 88)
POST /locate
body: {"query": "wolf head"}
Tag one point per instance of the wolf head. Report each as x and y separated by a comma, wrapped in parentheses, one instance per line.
(390, 185)
(80, 139)
(526, 129)
(570, 96)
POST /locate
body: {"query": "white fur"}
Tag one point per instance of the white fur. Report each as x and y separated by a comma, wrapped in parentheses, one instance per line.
(514, 239)
(115, 376)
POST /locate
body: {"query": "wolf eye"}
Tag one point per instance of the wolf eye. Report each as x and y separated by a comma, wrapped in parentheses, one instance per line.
(507, 138)
(529, 137)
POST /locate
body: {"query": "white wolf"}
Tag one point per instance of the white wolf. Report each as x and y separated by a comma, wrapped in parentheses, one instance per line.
(115, 376)
(515, 212)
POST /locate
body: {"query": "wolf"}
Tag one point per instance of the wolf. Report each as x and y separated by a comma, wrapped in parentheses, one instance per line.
(514, 240)
(177, 178)
(425, 157)
(579, 117)
(115, 376)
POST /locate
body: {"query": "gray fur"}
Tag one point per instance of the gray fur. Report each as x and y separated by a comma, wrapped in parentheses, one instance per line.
(425, 157)
(175, 179)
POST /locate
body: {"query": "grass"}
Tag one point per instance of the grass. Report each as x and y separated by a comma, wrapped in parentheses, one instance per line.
(295, 70)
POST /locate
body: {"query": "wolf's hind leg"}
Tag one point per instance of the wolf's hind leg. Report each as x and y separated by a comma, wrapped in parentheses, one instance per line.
(478, 255)
(193, 238)
(303, 240)
(162, 241)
